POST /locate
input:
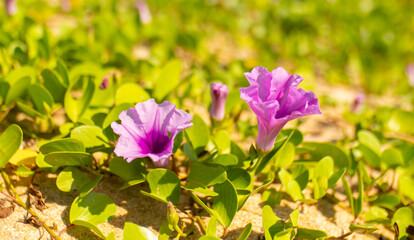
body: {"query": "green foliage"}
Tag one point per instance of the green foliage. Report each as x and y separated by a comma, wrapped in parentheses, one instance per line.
(10, 141)
(91, 210)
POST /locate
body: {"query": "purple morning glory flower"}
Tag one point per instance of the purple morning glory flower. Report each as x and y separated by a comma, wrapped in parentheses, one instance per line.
(219, 93)
(148, 130)
(409, 70)
(275, 99)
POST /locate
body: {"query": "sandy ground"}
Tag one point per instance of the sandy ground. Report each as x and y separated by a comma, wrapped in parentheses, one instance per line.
(139, 209)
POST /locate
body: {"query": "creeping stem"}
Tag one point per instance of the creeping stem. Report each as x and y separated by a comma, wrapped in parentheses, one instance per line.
(19, 202)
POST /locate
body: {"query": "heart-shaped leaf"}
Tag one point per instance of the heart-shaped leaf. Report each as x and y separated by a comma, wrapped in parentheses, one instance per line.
(225, 204)
(164, 185)
(206, 175)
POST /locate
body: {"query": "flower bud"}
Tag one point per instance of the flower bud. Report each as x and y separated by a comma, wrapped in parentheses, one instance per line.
(219, 93)
(10, 7)
(144, 12)
(357, 104)
(409, 71)
(172, 215)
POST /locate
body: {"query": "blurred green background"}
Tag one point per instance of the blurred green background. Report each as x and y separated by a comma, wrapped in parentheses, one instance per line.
(365, 43)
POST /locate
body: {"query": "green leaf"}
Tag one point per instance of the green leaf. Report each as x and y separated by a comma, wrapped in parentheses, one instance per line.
(195, 187)
(225, 204)
(376, 214)
(284, 157)
(392, 157)
(306, 233)
(135, 232)
(320, 150)
(406, 186)
(222, 141)
(388, 200)
(369, 139)
(63, 72)
(54, 83)
(76, 107)
(212, 226)
(198, 134)
(92, 137)
(58, 159)
(225, 160)
(335, 177)
(360, 200)
(325, 168)
(167, 80)
(62, 145)
(292, 187)
(189, 151)
(91, 210)
(128, 171)
(17, 90)
(294, 217)
(165, 185)
(246, 232)
(271, 223)
(239, 177)
(10, 141)
(113, 115)
(165, 231)
(271, 197)
(24, 171)
(29, 110)
(72, 178)
(206, 175)
(130, 93)
(40, 97)
(401, 121)
(296, 138)
(403, 217)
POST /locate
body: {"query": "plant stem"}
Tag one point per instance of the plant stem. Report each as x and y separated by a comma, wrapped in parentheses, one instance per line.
(19, 202)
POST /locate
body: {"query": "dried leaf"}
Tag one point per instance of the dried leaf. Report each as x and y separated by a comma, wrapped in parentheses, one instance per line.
(6, 208)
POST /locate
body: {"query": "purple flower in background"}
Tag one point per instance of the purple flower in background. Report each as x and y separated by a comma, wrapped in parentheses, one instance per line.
(219, 93)
(357, 104)
(275, 99)
(409, 70)
(65, 5)
(105, 80)
(148, 130)
(10, 7)
(144, 12)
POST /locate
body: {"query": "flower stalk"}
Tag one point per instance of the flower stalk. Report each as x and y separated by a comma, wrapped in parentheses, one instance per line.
(18, 201)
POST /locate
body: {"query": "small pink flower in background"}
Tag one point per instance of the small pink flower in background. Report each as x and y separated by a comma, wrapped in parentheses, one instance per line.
(409, 70)
(219, 93)
(357, 104)
(144, 12)
(148, 130)
(275, 99)
(105, 80)
(65, 5)
(10, 6)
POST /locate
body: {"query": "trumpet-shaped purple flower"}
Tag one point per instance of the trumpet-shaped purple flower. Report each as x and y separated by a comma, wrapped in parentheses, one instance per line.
(148, 130)
(275, 99)
(219, 93)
